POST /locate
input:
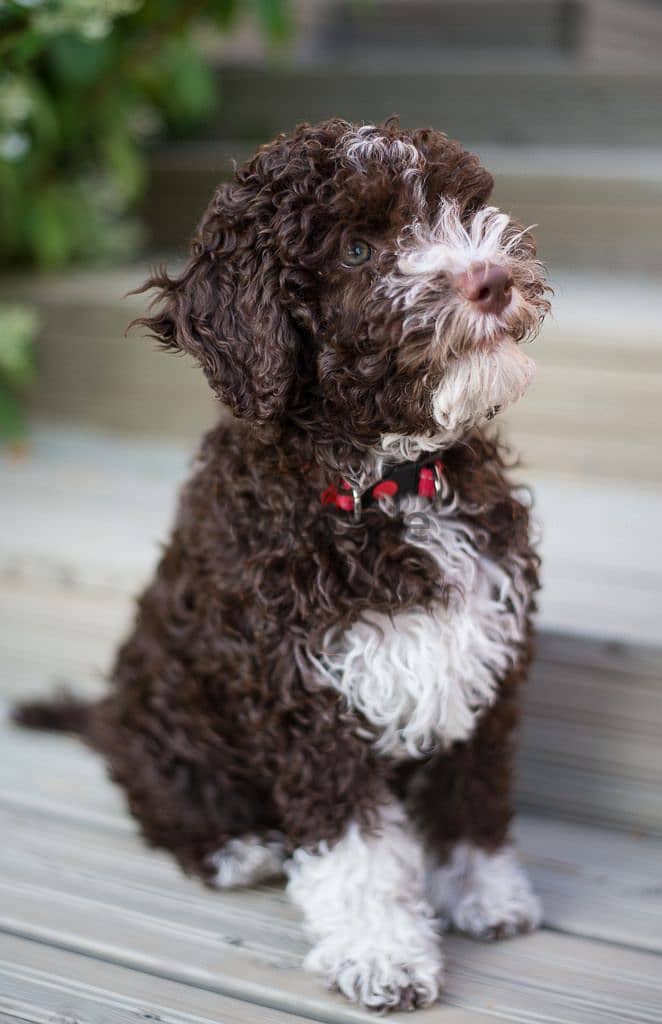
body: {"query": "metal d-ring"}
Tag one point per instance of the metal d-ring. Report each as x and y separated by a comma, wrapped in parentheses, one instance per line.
(356, 495)
(436, 472)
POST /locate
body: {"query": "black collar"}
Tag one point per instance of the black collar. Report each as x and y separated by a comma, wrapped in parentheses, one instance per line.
(421, 477)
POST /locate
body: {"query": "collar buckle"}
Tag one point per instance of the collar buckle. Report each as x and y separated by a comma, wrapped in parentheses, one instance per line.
(356, 511)
(437, 470)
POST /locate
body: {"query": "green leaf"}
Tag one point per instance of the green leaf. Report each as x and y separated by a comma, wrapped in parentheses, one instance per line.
(51, 227)
(185, 87)
(82, 82)
(18, 326)
(126, 164)
(79, 61)
(223, 13)
(276, 18)
(13, 423)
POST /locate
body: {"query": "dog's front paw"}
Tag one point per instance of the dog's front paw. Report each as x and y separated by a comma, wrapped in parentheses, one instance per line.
(380, 977)
(497, 901)
(485, 895)
(484, 917)
(379, 972)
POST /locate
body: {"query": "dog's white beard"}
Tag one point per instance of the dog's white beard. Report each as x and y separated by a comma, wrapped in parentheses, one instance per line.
(484, 379)
(477, 384)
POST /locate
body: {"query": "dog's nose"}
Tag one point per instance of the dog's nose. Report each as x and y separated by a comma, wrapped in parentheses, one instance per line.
(487, 285)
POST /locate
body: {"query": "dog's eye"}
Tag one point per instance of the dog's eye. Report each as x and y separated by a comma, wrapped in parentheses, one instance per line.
(356, 253)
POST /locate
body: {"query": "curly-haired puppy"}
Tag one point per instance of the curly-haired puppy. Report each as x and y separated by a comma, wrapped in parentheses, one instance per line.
(323, 675)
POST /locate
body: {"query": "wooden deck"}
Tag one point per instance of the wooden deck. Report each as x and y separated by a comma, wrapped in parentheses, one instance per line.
(97, 929)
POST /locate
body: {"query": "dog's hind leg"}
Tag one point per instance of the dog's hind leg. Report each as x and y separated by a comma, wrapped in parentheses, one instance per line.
(248, 860)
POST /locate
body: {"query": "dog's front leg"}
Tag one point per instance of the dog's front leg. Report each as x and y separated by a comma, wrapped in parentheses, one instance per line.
(363, 902)
(461, 804)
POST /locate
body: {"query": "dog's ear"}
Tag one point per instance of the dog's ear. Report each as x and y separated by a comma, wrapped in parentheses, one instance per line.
(224, 308)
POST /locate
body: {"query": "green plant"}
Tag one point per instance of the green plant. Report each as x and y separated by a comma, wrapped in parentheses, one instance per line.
(18, 326)
(83, 85)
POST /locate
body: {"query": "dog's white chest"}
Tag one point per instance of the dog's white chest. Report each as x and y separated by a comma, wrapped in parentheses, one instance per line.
(420, 678)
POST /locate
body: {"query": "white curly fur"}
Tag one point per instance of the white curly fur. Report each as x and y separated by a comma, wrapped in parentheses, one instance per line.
(486, 895)
(364, 906)
(480, 382)
(361, 146)
(485, 370)
(247, 860)
(421, 678)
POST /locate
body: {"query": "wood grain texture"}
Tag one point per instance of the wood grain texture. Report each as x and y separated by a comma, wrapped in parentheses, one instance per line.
(595, 208)
(590, 743)
(81, 884)
(530, 101)
(96, 926)
(110, 504)
(591, 413)
(46, 985)
(593, 709)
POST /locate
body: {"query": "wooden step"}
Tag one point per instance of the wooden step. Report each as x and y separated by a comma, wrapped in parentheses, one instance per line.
(92, 921)
(90, 372)
(95, 926)
(524, 102)
(586, 28)
(590, 741)
(592, 412)
(591, 31)
(40, 983)
(589, 748)
(596, 209)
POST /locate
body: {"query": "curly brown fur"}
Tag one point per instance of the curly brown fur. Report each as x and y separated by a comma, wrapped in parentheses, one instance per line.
(62, 713)
(219, 723)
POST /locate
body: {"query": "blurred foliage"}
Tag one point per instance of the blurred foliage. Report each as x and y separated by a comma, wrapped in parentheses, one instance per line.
(84, 84)
(18, 326)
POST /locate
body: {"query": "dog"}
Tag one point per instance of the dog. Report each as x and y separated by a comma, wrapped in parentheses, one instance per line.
(323, 676)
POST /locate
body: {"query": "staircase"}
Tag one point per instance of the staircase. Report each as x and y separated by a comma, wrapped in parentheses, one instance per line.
(561, 98)
(572, 137)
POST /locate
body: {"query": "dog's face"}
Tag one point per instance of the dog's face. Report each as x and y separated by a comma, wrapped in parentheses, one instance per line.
(354, 282)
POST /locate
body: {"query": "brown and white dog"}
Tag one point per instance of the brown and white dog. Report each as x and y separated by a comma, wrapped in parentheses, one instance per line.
(323, 675)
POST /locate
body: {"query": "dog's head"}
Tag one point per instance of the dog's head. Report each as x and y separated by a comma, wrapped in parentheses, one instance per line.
(354, 282)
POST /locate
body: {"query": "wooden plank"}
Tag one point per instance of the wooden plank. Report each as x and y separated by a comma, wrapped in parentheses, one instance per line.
(532, 102)
(595, 883)
(120, 382)
(73, 875)
(109, 504)
(594, 208)
(160, 947)
(558, 977)
(589, 746)
(47, 985)
(636, 661)
(107, 513)
(563, 978)
(593, 711)
(28, 780)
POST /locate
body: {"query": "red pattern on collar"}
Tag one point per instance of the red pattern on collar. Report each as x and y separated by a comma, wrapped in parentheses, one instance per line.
(425, 485)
